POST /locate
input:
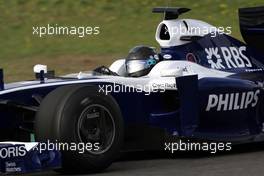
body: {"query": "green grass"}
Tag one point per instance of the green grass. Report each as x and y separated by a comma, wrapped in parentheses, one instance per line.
(123, 24)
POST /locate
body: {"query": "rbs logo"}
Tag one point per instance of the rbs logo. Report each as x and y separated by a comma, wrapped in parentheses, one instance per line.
(233, 101)
(227, 57)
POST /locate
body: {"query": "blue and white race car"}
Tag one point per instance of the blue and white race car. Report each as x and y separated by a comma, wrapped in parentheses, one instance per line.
(203, 85)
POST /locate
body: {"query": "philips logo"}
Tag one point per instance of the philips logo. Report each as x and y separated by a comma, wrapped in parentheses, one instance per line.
(233, 101)
(232, 57)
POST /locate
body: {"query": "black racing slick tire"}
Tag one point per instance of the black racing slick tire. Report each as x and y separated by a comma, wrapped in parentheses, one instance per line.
(79, 114)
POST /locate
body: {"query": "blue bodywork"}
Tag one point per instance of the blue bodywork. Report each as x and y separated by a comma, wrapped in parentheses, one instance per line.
(221, 109)
(24, 161)
(171, 110)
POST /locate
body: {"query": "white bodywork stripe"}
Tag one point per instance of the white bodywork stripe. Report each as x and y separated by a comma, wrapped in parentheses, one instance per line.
(154, 77)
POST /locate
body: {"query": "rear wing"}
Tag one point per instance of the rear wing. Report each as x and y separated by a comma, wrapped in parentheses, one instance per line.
(252, 26)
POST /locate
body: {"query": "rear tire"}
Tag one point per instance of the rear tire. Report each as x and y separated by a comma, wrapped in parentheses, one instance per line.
(80, 114)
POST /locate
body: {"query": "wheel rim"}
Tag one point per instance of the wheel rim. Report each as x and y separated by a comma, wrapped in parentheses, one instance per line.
(96, 125)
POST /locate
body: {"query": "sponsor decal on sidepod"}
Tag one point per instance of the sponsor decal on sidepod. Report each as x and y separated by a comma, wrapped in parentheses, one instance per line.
(232, 101)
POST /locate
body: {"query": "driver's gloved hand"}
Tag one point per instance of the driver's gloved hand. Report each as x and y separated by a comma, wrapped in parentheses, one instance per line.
(104, 71)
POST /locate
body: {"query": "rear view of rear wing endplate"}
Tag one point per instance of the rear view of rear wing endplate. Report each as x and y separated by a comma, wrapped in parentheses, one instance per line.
(2, 87)
(252, 26)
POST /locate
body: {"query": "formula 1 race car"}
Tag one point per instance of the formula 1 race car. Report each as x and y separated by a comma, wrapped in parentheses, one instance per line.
(206, 86)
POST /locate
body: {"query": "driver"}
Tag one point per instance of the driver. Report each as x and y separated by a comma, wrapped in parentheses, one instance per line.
(140, 60)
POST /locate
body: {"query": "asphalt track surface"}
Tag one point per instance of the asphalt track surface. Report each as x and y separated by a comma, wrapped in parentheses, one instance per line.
(244, 160)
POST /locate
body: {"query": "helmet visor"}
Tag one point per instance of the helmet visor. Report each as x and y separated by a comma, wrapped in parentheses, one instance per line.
(133, 66)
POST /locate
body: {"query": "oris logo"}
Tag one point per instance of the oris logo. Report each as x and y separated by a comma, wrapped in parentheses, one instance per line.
(12, 151)
(233, 101)
(227, 57)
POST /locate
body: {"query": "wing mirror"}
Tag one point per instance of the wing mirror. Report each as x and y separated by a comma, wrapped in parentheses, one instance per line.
(42, 72)
(38, 68)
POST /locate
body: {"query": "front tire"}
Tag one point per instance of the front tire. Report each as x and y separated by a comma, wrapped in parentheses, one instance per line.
(81, 115)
